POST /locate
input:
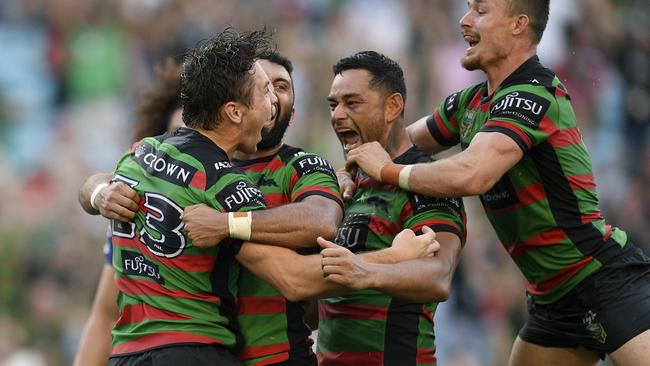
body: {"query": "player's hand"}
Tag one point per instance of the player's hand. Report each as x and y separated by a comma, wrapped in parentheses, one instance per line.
(117, 201)
(369, 157)
(406, 245)
(205, 226)
(341, 266)
(346, 184)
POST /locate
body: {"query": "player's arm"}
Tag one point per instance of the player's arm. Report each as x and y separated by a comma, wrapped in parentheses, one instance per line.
(115, 201)
(95, 343)
(299, 277)
(471, 172)
(420, 280)
(420, 136)
(295, 225)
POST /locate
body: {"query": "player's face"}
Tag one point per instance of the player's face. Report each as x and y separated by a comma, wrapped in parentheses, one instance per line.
(282, 84)
(486, 28)
(356, 110)
(261, 111)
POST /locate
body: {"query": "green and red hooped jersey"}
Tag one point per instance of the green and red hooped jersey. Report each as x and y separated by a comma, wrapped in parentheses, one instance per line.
(273, 328)
(172, 292)
(369, 327)
(545, 209)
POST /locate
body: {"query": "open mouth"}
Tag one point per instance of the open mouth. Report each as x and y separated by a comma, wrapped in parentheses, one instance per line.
(350, 139)
(471, 40)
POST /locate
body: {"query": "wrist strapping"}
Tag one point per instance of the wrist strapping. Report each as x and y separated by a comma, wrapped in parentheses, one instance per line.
(240, 224)
(397, 175)
(98, 188)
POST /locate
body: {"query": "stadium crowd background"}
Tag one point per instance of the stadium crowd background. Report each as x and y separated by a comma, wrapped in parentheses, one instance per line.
(71, 71)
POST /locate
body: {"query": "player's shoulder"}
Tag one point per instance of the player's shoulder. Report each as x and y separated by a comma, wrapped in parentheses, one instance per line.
(305, 163)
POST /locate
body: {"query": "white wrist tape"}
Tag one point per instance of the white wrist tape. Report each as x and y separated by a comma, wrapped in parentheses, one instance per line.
(99, 187)
(240, 224)
(404, 176)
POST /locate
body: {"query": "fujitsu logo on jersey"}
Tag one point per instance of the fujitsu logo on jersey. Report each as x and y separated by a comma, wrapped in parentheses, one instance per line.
(513, 100)
(136, 264)
(524, 107)
(240, 194)
(308, 164)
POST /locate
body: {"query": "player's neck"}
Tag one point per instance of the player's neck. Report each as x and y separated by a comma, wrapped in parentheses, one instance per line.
(398, 141)
(497, 73)
(226, 139)
(258, 154)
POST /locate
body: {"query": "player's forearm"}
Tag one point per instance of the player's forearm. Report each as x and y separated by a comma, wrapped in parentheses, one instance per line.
(420, 280)
(87, 189)
(297, 277)
(297, 225)
(384, 256)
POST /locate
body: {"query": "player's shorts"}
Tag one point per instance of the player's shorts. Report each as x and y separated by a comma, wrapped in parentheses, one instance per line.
(195, 355)
(602, 313)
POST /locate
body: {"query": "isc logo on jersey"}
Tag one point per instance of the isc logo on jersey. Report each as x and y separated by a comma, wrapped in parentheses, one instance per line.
(240, 194)
(527, 108)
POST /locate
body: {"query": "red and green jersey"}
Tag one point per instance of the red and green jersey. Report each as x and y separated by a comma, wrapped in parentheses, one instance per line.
(545, 208)
(273, 328)
(172, 292)
(369, 327)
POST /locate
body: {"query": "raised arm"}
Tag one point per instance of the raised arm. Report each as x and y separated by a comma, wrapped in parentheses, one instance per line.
(300, 277)
(471, 172)
(114, 201)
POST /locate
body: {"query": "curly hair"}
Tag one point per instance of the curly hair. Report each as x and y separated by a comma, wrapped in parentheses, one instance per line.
(218, 71)
(159, 103)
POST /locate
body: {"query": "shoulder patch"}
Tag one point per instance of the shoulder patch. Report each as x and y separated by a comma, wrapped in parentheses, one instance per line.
(306, 164)
(526, 108)
(239, 194)
(421, 204)
(451, 104)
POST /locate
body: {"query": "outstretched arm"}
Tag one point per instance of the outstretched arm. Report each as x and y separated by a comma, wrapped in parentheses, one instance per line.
(420, 280)
(300, 277)
(295, 225)
(471, 172)
(420, 136)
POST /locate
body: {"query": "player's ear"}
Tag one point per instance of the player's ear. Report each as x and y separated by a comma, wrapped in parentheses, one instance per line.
(234, 111)
(393, 107)
(293, 116)
(520, 24)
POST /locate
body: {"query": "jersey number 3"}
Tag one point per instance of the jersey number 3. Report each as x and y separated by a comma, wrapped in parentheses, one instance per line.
(161, 232)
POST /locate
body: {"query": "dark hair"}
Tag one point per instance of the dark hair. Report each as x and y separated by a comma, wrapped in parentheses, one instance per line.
(387, 75)
(159, 103)
(537, 11)
(278, 58)
(218, 71)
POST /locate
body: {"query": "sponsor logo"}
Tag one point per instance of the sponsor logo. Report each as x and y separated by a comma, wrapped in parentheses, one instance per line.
(309, 164)
(222, 165)
(421, 204)
(135, 264)
(501, 195)
(594, 329)
(353, 232)
(161, 165)
(451, 104)
(524, 107)
(238, 195)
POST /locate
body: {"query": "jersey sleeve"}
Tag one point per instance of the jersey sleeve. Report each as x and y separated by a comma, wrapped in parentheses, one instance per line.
(440, 214)
(526, 116)
(312, 175)
(234, 191)
(442, 124)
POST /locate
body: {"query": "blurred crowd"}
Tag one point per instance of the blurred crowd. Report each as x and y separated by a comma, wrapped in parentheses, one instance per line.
(71, 72)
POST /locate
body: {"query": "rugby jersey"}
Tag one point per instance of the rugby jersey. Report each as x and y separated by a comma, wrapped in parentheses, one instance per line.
(545, 208)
